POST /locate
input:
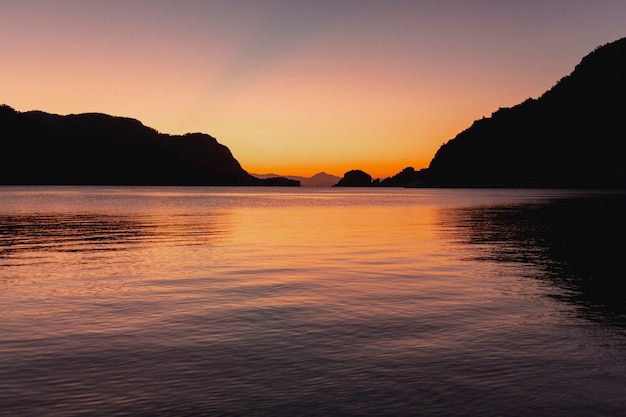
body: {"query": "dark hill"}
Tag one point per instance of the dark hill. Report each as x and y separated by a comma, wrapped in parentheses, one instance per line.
(407, 177)
(93, 148)
(355, 178)
(572, 136)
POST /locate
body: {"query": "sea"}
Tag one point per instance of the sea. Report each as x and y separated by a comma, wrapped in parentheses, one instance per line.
(261, 301)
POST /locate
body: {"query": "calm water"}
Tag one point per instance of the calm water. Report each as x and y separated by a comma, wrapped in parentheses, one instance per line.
(248, 301)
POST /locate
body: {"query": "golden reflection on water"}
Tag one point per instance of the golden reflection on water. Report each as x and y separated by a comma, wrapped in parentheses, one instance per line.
(186, 252)
(240, 300)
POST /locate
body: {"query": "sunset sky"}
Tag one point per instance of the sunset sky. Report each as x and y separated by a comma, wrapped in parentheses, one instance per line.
(298, 87)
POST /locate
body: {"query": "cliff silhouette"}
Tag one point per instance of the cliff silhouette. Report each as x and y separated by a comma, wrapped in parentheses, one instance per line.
(571, 136)
(98, 149)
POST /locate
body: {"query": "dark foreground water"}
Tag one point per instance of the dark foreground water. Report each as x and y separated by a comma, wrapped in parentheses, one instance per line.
(263, 302)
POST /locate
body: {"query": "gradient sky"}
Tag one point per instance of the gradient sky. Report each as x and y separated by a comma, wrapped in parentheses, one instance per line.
(298, 87)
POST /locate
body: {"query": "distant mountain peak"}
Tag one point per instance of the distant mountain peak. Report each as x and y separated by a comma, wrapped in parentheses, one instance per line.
(321, 179)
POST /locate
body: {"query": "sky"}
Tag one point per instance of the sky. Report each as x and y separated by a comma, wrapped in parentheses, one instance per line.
(298, 87)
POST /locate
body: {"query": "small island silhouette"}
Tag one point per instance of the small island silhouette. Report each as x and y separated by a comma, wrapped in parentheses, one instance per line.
(573, 136)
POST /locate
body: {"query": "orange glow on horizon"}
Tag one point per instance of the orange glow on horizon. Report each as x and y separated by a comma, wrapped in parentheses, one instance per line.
(296, 89)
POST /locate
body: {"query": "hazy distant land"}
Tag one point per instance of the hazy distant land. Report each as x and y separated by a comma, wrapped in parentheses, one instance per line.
(321, 179)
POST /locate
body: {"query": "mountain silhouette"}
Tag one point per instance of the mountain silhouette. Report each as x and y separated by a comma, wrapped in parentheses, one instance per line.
(571, 136)
(98, 149)
(321, 179)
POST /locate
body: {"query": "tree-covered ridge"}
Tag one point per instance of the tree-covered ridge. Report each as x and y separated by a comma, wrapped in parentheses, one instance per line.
(571, 136)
